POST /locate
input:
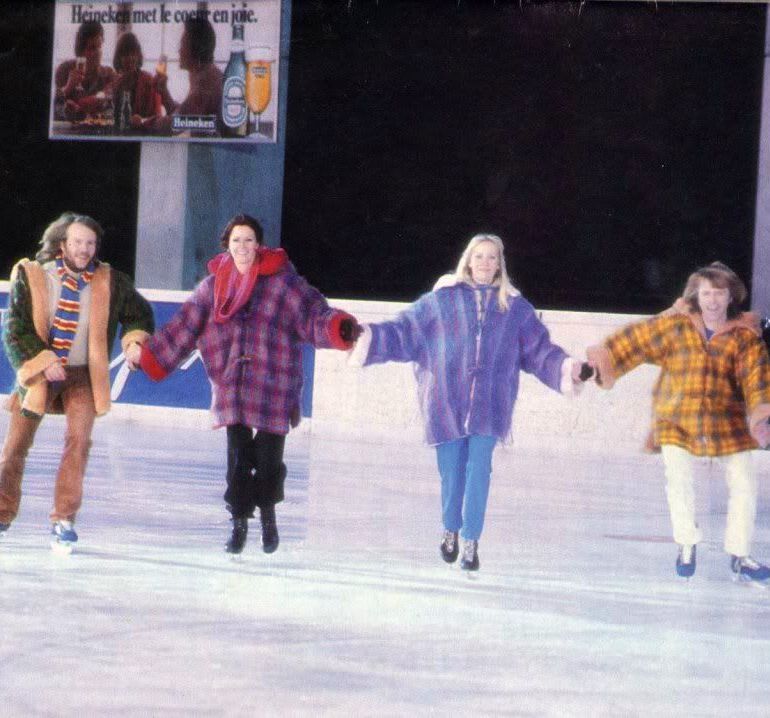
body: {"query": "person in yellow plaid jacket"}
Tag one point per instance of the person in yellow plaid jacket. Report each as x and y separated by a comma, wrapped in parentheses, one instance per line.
(712, 399)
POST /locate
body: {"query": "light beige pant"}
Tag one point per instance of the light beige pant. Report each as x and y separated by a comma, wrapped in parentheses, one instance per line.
(741, 506)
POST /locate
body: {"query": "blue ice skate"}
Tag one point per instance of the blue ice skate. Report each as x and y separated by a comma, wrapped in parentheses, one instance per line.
(685, 561)
(3, 529)
(63, 536)
(748, 570)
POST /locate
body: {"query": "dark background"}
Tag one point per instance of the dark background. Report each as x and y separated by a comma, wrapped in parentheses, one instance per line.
(613, 146)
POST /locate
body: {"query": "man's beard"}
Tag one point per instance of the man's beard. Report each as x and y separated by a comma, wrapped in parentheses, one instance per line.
(72, 267)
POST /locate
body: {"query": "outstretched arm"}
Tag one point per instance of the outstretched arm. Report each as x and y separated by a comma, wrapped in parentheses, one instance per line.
(164, 351)
(639, 343)
(401, 339)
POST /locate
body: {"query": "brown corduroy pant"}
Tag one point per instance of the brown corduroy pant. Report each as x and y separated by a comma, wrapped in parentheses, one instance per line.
(78, 403)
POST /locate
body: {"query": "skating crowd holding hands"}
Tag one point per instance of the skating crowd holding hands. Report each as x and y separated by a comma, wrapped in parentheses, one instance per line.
(468, 339)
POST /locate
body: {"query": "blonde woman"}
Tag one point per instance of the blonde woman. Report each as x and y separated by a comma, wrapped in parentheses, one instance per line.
(469, 338)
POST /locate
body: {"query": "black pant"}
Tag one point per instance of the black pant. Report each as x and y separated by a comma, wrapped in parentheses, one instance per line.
(255, 470)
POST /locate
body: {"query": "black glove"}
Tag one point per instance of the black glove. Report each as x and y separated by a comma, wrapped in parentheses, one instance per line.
(586, 371)
(350, 330)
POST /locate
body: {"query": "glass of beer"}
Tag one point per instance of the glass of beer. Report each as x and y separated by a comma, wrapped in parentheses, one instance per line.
(80, 64)
(162, 65)
(258, 80)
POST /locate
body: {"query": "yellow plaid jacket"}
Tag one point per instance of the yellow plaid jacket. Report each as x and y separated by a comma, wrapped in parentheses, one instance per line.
(710, 393)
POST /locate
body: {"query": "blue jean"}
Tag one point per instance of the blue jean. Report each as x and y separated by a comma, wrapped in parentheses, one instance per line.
(465, 466)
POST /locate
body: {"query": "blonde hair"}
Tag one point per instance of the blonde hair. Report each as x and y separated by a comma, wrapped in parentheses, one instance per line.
(501, 279)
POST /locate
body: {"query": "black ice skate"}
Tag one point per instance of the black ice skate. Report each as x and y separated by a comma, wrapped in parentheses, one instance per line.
(685, 561)
(746, 569)
(450, 546)
(3, 529)
(63, 536)
(470, 557)
(237, 539)
(269, 529)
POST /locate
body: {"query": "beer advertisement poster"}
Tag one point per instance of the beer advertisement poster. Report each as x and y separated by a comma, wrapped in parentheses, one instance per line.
(152, 70)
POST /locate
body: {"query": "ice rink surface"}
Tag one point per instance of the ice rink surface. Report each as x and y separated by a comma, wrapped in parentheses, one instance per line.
(576, 610)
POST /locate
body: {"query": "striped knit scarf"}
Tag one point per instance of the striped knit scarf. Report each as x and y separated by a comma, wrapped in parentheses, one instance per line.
(65, 321)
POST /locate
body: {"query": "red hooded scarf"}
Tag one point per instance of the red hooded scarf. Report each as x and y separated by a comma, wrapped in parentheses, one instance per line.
(233, 289)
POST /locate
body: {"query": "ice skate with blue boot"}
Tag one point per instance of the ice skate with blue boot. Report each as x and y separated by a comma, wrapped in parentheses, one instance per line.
(746, 570)
(685, 561)
(63, 537)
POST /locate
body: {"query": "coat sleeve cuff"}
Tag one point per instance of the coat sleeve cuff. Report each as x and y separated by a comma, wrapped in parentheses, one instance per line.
(357, 357)
(335, 339)
(31, 369)
(600, 357)
(567, 386)
(150, 366)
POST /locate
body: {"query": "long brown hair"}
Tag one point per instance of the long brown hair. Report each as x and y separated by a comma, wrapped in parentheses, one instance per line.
(56, 232)
(722, 277)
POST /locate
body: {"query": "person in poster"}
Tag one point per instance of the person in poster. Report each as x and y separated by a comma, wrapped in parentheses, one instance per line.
(196, 56)
(137, 101)
(83, 84)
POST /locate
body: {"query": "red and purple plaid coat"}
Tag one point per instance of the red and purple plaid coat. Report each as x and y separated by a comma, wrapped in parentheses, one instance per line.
(254, 360)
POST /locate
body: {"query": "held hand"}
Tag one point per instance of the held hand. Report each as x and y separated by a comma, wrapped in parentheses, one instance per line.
(350, 330)
(133, 356)
(581, 372)
(55, 372)
(762, 434)
(71, 110)
(74, 81)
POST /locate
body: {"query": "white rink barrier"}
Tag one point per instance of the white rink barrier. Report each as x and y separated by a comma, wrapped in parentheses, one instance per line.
(378, 404)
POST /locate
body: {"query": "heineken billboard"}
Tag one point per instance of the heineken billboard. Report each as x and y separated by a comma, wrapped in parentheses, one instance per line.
(172, 70)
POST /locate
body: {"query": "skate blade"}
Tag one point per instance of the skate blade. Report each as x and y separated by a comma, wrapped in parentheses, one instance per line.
(62, 548)
(742, 580)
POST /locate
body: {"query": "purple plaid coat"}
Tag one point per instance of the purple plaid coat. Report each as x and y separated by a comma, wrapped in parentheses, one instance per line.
(254, 360)
(467, 373)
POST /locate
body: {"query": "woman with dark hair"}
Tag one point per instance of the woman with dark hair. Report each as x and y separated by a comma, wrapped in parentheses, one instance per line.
(712, 399)
(133, 85)
(84, 85)
(249, 318)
